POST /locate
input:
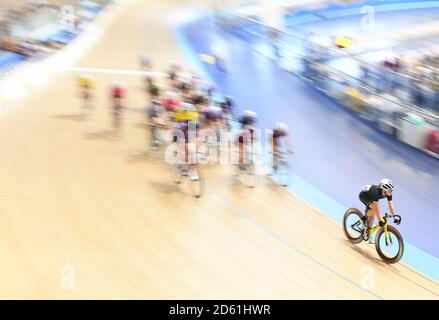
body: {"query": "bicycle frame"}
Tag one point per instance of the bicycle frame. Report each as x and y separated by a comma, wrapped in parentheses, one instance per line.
(377, 227)
(386, 232)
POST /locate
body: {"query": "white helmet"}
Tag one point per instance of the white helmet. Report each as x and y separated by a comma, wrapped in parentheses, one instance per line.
(387, 184)
(251, 114)
(172, 95)
(281, 126)
(117, 84)
(85, 76)
(188, 106)
(215, 109)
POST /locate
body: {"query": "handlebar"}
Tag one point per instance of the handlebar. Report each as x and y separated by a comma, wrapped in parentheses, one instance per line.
(396, 218)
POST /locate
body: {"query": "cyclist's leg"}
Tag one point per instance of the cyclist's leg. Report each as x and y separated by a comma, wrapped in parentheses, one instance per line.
(369, 211)
(153, 134)
(241, 153)
(276, 156)
(117, 118)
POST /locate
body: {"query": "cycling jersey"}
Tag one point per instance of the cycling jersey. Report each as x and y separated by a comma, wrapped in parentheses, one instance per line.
(85, 82)
(277, 134)
(212, 115)
(372, 193)
(170, 104)
(247, 121)
(186, 115)
(117, 92)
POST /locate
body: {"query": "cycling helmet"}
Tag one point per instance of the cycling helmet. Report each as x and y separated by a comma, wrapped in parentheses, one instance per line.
(281, 126)
(188, 106)
(387, 184)
(172, 95)
(117, 84)
(251, 114)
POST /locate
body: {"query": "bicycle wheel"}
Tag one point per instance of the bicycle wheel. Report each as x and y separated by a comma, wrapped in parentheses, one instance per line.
(177, 173)
(196, 187)
(250, 175)
(353, 225)
(285, 175)
(390, 247)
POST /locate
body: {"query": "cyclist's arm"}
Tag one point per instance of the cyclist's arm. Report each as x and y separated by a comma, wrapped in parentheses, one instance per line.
(288, 144)
(376, 207)
(391, 208)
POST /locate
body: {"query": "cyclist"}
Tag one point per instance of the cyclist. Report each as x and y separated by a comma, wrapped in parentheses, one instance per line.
(186, 119)
(171, 102)
(145, 63)
(228, 104)
(212, 116)
(370, 196)
(184, 86)
(279, 138)
(156, 122)
(227, 112)
(86, 83)
(152, 88)
(117, 94)
(246, 137)
(211, 120)
(248, 120)
(150, 83)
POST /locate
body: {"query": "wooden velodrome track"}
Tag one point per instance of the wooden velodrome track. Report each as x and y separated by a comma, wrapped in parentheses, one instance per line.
(75, 203)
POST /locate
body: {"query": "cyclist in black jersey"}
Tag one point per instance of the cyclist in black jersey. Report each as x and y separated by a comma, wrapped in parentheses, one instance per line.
(371, 195)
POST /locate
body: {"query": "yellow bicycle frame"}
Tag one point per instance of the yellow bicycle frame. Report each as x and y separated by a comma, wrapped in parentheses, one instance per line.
(377, 227)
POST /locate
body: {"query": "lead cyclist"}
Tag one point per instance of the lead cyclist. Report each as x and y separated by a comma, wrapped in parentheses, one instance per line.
(370, 196)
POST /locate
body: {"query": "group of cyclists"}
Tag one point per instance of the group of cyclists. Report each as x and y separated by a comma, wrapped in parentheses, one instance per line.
(184, 102)
(181, 102)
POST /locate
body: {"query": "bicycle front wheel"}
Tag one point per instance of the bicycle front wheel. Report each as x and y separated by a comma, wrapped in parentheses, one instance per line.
(196, 186)
(285, 175)
(250, 176)
(390, 245)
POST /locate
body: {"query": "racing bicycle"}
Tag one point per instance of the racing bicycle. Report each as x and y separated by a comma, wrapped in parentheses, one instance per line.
(388, 241)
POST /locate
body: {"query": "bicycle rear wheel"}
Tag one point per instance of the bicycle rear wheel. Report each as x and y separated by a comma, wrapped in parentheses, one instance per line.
(353, 225)
(390, 247)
